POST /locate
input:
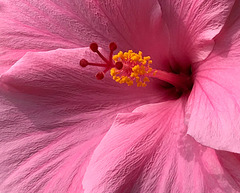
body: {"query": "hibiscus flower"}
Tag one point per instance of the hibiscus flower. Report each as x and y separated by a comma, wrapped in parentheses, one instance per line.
(62, 130)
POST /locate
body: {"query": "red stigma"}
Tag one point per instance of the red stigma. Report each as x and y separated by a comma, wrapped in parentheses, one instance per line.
(112, 46)
(119, 65)
(83, 62)
(94, 47)
(100, 75)
(109, 63)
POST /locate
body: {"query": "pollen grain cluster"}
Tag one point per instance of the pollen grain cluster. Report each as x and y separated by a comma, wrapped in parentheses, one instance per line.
(135, 68)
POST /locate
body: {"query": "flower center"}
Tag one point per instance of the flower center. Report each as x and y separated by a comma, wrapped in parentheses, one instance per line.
(130, 67)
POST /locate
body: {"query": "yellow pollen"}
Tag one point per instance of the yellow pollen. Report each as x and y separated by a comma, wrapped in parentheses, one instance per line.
(135, 68)
(155, 72)
(146, 79)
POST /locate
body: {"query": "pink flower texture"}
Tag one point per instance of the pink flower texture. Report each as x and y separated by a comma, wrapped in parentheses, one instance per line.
(64, 131)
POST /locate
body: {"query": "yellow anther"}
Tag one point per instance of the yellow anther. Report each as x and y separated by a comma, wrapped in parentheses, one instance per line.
(137, 79)
(147, 58)
(113, 72)
(149, 70)
(120, 54)
(117, 79)
(128, 80)
(124, 79)
(130, 83)
(125, 54)
(135, 68)
(115, 58)
(135, 58)
(155, 73)
(139, 84)
(146, 79)
(133, 74)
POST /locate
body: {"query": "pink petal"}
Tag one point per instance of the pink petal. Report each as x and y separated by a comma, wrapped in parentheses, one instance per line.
(214, 105)
(49, 24)
(57, 74)
(148, 151)
(193, 25)
(53, 113)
